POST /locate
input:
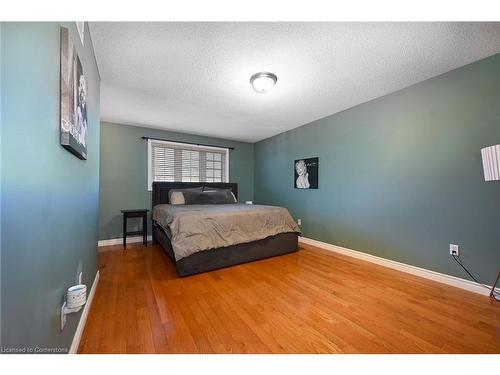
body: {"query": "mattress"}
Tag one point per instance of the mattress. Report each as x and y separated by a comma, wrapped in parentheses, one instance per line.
(194, 228)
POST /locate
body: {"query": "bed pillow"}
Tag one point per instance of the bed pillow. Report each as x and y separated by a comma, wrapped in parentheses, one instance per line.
(209, 188)
(177, 197)
(209, 197)
(234, 197)
(182, 191)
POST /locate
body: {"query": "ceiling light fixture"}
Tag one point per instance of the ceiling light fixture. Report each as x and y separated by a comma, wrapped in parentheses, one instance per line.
(263, 81)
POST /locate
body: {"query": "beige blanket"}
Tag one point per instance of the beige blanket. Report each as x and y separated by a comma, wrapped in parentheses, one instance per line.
(194, 228)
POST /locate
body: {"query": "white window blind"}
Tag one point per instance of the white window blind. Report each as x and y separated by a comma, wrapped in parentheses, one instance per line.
(173, 161)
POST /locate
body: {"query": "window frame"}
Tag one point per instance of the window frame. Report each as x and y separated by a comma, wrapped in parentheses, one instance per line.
(188, 146)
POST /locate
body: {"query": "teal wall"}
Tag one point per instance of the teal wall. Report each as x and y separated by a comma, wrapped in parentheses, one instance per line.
(401, 176)
(124, 171)
(49, 197)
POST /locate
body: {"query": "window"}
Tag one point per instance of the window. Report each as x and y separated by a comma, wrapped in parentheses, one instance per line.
(173, 161)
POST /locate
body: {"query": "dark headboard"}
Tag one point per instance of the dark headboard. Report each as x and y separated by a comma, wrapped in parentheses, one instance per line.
(161, 189)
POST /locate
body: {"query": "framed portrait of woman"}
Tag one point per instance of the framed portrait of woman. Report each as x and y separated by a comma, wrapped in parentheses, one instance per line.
(73, 125)
(306, 173)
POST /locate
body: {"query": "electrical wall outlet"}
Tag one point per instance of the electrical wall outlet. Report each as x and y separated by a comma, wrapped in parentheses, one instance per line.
(454, 250)
(80, 277)
(299, 222)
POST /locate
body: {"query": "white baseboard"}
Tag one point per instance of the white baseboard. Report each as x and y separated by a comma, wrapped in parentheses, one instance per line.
(83, 319)
(119, 241)
(471, 286)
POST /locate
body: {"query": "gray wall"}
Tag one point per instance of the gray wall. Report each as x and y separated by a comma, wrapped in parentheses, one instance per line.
(401, 176)
(124, 172)
(49, 197)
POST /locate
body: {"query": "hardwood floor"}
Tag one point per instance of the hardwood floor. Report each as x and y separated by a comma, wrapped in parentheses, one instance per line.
(313, 301)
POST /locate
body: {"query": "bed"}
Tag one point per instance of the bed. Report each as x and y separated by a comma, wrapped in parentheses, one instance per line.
(182, 230)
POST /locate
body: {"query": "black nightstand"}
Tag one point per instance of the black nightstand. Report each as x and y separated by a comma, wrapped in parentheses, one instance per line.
(135, 213)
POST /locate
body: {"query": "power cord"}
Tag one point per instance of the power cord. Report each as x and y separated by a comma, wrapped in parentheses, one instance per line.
(493, 292)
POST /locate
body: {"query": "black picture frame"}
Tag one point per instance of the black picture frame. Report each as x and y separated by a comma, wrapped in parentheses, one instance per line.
(305, 173)
(73, 99)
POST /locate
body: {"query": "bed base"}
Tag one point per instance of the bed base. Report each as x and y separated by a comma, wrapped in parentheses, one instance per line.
(209, 260)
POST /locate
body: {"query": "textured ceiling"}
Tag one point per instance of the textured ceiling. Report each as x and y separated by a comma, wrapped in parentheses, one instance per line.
(194, 77)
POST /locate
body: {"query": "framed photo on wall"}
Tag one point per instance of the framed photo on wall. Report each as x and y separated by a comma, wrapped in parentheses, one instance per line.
(73, 99)
(306, 173)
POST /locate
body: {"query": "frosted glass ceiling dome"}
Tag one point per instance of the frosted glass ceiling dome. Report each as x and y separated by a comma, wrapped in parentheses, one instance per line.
(263, 81)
